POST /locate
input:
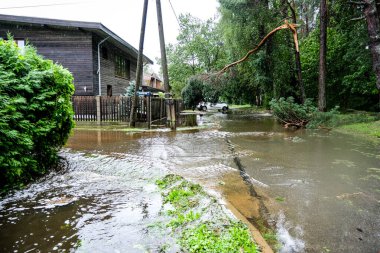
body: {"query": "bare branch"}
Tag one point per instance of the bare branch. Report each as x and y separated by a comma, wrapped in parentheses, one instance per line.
(292, 27)
(357, 3)
(358, 19)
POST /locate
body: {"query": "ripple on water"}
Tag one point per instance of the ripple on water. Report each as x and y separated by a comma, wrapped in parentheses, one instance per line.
(290, 243)
(99, 202)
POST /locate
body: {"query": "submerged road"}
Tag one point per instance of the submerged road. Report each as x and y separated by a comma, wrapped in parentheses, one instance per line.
(320, 191)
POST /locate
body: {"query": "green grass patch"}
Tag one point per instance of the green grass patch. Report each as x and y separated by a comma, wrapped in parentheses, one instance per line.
(370, 129)
(206, 238)
(167, 181)
(280, 199)
(246, 106)
(190, 209)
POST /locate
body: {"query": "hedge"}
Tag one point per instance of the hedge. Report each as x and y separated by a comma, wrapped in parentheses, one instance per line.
(36, 115)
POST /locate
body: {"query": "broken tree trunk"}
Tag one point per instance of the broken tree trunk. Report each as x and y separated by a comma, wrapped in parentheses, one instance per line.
(297, 57)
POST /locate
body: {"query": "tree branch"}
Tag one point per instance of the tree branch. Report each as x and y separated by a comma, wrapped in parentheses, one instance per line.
(358, 19)
(291, 27)
(356, 3)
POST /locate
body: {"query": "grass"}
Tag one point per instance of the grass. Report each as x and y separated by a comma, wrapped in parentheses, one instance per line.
(190, 219)
(358, 123)
(246, 106)
(369, 129)
(204, 238)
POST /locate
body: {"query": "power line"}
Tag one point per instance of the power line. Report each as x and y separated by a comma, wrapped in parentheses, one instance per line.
(175, 14)
(40, 5)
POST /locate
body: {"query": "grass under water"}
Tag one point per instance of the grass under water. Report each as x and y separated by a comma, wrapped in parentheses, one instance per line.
(199, 221)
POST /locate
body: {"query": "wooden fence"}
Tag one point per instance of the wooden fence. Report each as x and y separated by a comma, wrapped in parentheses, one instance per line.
(118, 108)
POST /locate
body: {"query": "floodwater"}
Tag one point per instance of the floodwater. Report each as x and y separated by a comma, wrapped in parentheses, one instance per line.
(323, 187)
(319, 190)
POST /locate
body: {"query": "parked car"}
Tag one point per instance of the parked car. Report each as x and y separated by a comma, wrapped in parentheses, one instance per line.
(219, 106)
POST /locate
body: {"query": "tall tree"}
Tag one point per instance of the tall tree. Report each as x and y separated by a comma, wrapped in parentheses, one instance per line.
(322, 56)
(292, 8)
(373, 25)
(199, 49)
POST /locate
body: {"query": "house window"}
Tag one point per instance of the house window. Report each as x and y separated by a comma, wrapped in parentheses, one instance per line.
(109, 90)
(104, 53)
(20, 42)
(122, 67)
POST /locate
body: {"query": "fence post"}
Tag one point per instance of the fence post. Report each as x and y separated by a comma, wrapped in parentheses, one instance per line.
(149, 111)
(98, 115)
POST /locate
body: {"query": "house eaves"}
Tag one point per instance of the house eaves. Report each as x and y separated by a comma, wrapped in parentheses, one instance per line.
(94, 27)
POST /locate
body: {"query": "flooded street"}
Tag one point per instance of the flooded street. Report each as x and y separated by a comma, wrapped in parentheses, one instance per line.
(320, 190)
(324, 187)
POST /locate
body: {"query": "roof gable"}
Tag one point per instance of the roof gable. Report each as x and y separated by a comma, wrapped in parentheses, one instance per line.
(97, 28)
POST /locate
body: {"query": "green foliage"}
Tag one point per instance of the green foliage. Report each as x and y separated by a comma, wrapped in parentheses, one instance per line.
(198, 50)
(192, 93)
(350, 79)
(168, 180)
(202, 89)
(370, 129)
(204, 238)
(130, 90)
(194, 233)
(35, 113)
(269, 73)
(307, 115)
(289, 112)
(181, 218)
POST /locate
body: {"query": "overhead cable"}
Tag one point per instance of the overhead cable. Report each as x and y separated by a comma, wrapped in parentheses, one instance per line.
(175, 14)
(40, 5)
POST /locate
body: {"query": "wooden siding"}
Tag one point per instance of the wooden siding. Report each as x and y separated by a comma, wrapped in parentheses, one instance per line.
(69, 47)
(107, 68)
(76, 50)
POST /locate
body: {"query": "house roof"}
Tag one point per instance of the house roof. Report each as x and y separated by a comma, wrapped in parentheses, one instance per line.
(151, 89)
(152, 76)
(97, 28)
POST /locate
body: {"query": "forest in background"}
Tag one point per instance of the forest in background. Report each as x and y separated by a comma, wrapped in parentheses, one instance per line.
(341, 72)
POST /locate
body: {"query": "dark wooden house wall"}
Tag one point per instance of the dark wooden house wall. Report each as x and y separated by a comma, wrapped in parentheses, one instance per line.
(76, 50)
(69, 47)
(107, 68)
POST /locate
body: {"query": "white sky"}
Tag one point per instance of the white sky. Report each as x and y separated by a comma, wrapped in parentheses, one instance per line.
(123, 17)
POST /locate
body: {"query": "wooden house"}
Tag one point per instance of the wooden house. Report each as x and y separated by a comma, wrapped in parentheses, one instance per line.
(154, 81)
(101, 62)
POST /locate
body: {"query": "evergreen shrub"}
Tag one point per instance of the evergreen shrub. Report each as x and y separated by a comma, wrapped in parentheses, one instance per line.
(36, 115)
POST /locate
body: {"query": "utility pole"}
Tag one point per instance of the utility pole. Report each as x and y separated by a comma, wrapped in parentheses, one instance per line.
(170, 111)
(139, 72)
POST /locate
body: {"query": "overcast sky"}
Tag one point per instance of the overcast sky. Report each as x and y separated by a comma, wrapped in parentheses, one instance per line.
(123, 17)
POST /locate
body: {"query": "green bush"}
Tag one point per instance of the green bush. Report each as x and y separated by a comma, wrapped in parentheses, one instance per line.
(291, 113)
(302, 115)
(192, 93)
(200, 89)
(35, 113)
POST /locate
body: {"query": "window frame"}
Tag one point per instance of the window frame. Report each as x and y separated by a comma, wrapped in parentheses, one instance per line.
(122, 67)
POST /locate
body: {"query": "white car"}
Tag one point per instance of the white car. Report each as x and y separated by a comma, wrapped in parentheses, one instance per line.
(219, 106)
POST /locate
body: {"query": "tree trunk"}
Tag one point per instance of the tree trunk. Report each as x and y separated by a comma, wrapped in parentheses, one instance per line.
(297, 58)
(373, 24)
(322, 57)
